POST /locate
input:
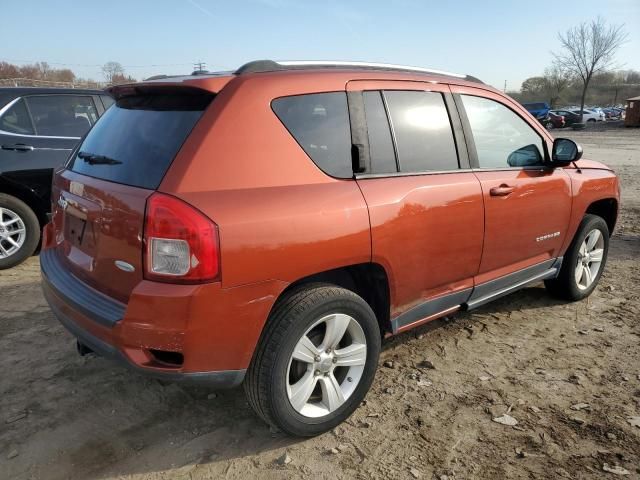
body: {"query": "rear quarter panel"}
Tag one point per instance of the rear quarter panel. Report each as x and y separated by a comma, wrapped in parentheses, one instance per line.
(279, 216)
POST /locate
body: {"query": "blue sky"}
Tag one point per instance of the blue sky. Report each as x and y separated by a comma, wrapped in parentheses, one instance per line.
(494, 40)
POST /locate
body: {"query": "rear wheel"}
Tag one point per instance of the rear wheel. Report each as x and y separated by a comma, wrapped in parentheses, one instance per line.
(316, 360)
(584, 261)
(19, 231)
(549, 125)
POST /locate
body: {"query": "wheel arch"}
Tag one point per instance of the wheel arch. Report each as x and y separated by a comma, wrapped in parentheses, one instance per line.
(26, 195)
(607, 209)
(368, 280)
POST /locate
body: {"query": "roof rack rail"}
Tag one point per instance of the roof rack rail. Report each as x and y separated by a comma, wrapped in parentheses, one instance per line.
(261, 66)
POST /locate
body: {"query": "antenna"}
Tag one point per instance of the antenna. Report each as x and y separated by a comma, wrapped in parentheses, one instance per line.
(199, 66)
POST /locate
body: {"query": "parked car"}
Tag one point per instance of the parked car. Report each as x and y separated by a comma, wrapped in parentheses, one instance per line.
(569, 117)
(552, 121)
(612, 113)
(590, 115)
(273, 227)
(38, 129)
(537, 109)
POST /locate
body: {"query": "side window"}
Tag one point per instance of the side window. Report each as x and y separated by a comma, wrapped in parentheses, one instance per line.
(320, 124)
(62, 115)
(503, 139)
(16, 119)
(423, 133)
(381, 152)
(107, 101)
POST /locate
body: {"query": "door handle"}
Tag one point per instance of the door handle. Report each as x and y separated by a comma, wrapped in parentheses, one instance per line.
(501, 191)
(20, 147)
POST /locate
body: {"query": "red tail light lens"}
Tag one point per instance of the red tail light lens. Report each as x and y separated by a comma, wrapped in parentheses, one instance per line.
(181, 243)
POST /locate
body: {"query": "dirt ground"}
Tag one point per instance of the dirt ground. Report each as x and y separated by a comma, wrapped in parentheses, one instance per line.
(63, 416)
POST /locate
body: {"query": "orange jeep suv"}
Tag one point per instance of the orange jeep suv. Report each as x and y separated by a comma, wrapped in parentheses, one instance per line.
(268, 227)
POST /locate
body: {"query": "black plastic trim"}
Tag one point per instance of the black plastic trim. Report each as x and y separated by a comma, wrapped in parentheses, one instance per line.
(265, 66)
(429, 308)
(489, 291)
(220, 379)
(359, 134)
(93, 304)
(458, 131)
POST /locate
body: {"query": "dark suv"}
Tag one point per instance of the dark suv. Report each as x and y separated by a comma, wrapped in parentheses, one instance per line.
(38, 129)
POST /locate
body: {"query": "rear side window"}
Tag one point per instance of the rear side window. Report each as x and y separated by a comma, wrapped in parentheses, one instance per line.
(16, 119)
(320, 124)
(62, 115)
(381, 152)
(136, 140)
(423, 133)
(107, 101)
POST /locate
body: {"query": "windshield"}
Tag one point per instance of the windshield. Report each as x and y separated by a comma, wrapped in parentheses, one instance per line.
(136, 140)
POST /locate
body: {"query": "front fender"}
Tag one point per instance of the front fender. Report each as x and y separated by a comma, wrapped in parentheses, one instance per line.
(587, 187)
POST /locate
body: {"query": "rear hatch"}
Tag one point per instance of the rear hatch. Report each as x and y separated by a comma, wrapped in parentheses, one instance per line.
(100, 197)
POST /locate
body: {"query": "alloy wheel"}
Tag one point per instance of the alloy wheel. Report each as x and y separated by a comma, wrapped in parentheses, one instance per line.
(12, 232)
(590, 258)
(326, 365)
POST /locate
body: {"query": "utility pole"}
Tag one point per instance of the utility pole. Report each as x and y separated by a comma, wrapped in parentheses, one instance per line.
(199, 66)
(505, 86)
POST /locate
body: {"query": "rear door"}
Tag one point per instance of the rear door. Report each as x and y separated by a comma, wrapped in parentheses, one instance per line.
(100, 198)
(37, 134)
(527, 204)
(425, 204)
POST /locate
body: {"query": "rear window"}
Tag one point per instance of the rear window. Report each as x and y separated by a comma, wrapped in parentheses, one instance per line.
(136, 140)
(320, 124)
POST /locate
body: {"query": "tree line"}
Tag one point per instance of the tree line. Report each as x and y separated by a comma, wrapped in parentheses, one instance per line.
(43, 74)
(583, 71)
(605, 89)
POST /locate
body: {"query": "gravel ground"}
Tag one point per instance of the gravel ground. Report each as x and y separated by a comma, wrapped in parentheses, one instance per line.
(568, 373)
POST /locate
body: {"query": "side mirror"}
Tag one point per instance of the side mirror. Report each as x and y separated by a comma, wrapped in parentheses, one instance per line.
(564, 152)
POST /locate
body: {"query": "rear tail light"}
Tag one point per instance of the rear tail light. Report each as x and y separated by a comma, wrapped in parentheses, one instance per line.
(181, 243)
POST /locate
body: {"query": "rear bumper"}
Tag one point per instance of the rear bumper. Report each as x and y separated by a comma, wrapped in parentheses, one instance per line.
(100, 323)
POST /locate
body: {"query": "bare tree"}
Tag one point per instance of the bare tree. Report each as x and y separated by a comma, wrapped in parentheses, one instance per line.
(111, 70)
(588, 49)
(557, 79)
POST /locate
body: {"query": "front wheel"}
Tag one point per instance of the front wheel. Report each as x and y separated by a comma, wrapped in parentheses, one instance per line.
(315, 361)
(584, 261)
(19, 231)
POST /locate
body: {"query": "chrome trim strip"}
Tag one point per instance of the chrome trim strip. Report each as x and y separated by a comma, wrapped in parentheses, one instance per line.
(365, 176)
(339, 63)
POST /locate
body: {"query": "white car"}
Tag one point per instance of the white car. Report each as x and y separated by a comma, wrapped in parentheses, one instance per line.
(590, 115)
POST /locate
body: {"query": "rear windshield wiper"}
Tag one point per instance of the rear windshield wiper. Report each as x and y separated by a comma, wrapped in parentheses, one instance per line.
(95, 159)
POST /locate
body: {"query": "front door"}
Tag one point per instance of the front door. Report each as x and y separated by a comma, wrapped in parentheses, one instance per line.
(527, 204)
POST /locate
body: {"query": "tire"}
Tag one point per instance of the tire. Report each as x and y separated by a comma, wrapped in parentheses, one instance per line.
(567, 286)
(591, 120)
(273, 379)
(21, 217)
(549, 125)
